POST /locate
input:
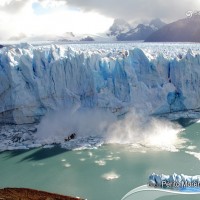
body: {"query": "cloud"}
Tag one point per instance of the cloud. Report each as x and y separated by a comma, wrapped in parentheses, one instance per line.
(52, 3)
(138, 9)
(12, 6)
(15, 6)
(36, 18)
(17, 37)
(42, 17)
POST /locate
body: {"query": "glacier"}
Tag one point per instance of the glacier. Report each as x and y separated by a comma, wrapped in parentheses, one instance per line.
(36, 80)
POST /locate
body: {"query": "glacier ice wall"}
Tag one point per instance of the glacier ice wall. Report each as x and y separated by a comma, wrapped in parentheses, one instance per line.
(35, 81)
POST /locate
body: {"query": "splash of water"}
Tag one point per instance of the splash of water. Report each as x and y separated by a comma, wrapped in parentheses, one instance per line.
(143, 131)
(57, 126)
(137, 129)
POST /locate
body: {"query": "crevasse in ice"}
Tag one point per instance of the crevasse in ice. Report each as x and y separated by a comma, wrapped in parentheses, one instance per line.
(37, 80)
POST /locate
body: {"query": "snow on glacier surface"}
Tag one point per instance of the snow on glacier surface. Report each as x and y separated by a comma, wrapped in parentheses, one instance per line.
(155, 78)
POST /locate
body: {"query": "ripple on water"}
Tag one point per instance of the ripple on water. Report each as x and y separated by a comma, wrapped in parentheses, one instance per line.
(38, 164)
(79, 152)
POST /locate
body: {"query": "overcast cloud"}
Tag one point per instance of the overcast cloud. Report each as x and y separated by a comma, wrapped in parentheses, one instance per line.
(126, 9)
(12, 6)
(136, 9)
(19, 18)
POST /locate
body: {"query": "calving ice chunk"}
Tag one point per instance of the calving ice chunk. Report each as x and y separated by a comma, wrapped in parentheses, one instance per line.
(38, 80)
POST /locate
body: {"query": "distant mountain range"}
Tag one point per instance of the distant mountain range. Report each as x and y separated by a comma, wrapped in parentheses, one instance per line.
(184, 30)
(123, 31)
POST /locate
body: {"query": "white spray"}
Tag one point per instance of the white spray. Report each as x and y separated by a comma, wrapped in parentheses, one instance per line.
(134, 128)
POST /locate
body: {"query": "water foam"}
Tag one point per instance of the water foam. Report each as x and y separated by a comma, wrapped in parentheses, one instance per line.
(146, 132)
(94, 127)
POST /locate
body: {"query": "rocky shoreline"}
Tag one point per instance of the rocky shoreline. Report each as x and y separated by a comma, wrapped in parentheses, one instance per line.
(30, 194)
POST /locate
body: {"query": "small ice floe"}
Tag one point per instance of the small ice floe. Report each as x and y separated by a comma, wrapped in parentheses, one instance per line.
(79, 152)
(80, 144)
(90, 154)
(48, 146)
(34, 145)
(63, 160)
(110, 176)
(116, 158)
(191, 147)
(67, 165)
(100, 162)
(109, 157)
(82, 159)
(195, 154)
(40, 164)
(11, 148)
(22, 147)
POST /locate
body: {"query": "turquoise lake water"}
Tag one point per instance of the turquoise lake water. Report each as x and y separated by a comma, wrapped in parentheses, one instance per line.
(85, 173)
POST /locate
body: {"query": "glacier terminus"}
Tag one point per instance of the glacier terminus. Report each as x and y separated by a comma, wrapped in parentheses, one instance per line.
(35, 80)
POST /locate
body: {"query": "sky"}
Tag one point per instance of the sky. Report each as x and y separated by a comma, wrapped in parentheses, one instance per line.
(36, 18)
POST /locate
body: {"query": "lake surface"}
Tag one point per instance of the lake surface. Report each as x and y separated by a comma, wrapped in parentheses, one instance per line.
(105, 173)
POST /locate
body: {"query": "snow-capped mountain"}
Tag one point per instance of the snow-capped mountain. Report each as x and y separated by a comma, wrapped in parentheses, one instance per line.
(184, 30)
(38, 80)
(88, 39)
(65, 37)
(68, 36)
(141, 31)
(157, 23)
(119, 26)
